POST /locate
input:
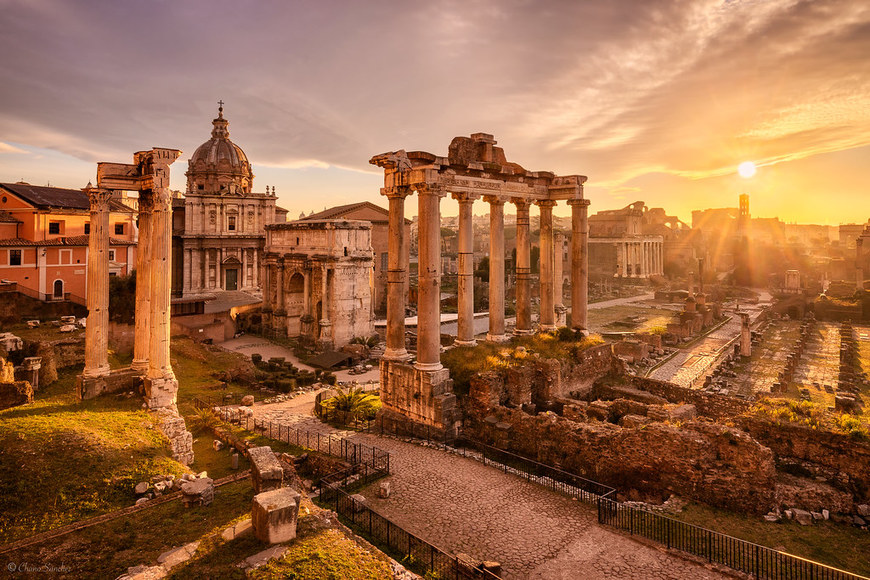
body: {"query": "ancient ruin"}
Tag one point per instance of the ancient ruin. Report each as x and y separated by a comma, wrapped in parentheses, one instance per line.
(149, 175)
(318, 281)
(473, 169)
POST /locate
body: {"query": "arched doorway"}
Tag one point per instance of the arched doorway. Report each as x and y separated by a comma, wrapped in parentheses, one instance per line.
(231, 278)
(295, 303)
(57, 293)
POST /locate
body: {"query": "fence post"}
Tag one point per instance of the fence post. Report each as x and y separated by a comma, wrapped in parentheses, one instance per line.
(756, 561)
(668, 526)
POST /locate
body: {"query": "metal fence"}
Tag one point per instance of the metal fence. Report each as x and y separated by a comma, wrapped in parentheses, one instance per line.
(760, 561)
(352, 452)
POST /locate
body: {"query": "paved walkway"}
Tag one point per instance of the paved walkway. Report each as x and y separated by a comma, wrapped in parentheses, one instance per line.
(461, 505)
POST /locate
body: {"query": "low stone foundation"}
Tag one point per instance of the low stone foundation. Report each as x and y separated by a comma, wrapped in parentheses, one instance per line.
(117, 380)
(15, 393)
(418, 400)
(160, 392)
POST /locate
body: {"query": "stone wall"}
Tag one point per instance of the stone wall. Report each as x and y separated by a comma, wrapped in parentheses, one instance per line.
(838, 458)
(425, 398)
(715, 464)
(180, 439)
(125, 379)
(711, 405)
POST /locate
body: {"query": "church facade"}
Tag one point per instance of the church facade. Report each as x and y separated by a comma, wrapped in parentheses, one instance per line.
(219, 226)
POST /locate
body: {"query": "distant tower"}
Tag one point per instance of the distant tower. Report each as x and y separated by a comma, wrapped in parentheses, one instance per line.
(743, 216)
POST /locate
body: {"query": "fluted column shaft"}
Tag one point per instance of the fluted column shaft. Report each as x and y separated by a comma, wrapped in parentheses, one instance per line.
(579, 263)
(429, 280)
(279, 298)
(161, 286)
(465, 279)
(144, 264)
(523, 269)
(96, 339)
(557, 271)
(548, 314)
(496, 269)
(397, 276)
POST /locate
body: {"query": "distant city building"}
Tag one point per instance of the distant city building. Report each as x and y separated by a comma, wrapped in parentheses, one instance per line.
(619, 247)
(379, 218)
(44, 240)
(218, 226)
(318, 281)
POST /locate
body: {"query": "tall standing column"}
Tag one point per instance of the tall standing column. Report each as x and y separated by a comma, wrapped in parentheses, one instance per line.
(548, 314)
(523, 269)
(397, 275)
(144, 264)
(496, 269)
(429, 279)
(161, 387)
(465, 282)
(96, 340)
(557, 271)
(579, 263)
(859, 271)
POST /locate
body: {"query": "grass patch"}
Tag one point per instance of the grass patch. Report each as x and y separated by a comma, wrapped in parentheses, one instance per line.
(107, 550)
(62, 461)
(832, 544)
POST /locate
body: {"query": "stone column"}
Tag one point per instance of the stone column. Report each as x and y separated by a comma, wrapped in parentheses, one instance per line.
(161, 387)
(859, 272)
(579, 263)
(745, 335)
(279, 286)
(465, 279)
(397, 275)
(244, 282)
(557, 270)
(96, 332)
(496, 269)
(206, 280)
(429, 279)
(144, 263)
(523, 269)
(325, 322)
(548, 314)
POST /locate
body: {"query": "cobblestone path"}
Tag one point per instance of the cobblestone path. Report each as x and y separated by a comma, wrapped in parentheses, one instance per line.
(460, 505)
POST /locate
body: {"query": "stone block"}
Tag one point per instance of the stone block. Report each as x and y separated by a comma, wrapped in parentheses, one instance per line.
(266, 471)
(199, 492)
(238, 530)
(863, 510)
(683, 413)
(803, 517)
(15, 393)
(248, 400)
(384, 489)
(176, 556)
(261, 558)
(359, 502)
(274, 515)
(632, 421)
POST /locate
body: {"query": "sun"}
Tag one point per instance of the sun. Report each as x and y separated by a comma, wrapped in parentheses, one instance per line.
(746, 169)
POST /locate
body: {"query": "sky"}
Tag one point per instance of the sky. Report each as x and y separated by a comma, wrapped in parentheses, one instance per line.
(653, 100)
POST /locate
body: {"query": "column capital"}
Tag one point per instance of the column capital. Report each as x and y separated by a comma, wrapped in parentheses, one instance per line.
(430, 189)
(494, 200)
(582, 202)
(550, 203)
(98, 197)
(396, 192)
(521, 203)
(465, 197)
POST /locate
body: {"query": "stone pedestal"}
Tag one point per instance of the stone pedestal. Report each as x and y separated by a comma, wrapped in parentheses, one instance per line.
(266, 471)
(417, 401)
(274, 515)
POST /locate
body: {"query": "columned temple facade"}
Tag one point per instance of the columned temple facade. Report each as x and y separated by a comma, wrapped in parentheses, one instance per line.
(219, 227)
(420, 394)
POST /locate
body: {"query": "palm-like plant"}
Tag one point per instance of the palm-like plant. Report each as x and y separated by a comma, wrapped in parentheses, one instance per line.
(354, 402)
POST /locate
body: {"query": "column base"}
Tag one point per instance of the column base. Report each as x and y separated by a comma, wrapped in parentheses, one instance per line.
(417, 401)
(160, 392)
(547, 328)
(93, 373)
(523, 332)
(471, 342)
(497, 337)
(581, 331)
(428, 367)
(398, 355)
(139, 366)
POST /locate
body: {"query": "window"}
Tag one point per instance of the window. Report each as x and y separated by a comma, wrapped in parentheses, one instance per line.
(54, 228)
(119, 229)
(231, 223)
(111, 255)
(87, 228)
(14, 257)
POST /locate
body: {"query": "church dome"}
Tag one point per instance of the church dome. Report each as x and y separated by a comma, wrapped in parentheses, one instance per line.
(219, 166)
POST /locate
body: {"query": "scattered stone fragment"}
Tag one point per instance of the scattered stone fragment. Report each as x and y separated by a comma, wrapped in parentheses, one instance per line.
(863, 510)
(217, 444)
(803, 517)
(141, 487)
(359, 503)
(263, 557)
(198, 492)
(141, 500)
(248, 400)
(238, 530)
(384, 489)
(266, 471)
(176, 556)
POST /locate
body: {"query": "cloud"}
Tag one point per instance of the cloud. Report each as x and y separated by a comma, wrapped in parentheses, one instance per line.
(8, 148)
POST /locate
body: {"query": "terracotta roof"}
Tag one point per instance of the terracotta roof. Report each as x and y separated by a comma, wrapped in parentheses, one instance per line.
(49, 196)
(63, 241)
(340, 211)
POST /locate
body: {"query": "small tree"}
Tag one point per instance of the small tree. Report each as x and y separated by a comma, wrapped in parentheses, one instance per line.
(354, 402)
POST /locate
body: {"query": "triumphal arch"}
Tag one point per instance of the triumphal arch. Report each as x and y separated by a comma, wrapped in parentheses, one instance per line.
(419, 395)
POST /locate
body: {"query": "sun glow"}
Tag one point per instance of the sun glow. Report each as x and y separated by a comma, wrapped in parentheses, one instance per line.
(746, 169)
